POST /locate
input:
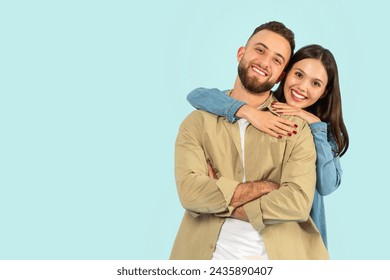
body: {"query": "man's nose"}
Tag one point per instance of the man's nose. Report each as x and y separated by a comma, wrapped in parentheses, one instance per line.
(268, 59)
(265, 61)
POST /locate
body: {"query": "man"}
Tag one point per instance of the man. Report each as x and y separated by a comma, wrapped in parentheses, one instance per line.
(266, 216)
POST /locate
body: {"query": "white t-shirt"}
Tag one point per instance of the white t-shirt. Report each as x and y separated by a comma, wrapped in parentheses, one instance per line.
(238, 239)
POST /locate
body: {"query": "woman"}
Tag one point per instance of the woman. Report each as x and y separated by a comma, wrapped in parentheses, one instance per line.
(311, 91)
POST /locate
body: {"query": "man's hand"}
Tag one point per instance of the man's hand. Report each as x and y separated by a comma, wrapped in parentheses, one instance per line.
(248, 191)
(245, 192)
(212, 171)
(239, 214)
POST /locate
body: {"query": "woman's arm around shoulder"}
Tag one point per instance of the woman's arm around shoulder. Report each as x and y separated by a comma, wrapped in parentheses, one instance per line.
(216, 102)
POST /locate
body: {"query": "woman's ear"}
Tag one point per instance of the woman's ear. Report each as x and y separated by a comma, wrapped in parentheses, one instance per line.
(324, 94)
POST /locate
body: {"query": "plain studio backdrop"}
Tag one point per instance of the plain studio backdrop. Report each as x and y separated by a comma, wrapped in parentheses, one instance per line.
(93, 93)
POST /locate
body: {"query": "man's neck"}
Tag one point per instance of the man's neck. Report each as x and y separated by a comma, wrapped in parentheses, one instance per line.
(253, 100)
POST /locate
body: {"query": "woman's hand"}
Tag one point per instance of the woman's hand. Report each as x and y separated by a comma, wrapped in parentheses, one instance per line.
(267, 122)
(284, 109)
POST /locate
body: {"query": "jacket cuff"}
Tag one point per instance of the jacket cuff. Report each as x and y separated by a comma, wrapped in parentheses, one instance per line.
(227, 188)
(254, 214)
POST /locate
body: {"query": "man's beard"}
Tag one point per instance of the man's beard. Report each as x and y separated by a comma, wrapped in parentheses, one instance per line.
(251, 83)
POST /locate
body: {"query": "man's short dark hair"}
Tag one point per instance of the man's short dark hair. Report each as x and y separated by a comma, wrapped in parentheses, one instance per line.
(280, 29)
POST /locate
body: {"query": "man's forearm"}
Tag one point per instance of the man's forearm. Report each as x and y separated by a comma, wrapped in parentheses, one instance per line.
(248, 191)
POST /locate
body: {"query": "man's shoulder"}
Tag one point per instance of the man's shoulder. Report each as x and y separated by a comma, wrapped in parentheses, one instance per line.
(199, 118)
(303, 130)
(201, 115)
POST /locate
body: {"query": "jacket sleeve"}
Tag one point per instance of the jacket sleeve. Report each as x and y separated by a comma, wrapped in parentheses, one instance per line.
(215, 102)
(293, 200)
(328, 164)
(198, 193)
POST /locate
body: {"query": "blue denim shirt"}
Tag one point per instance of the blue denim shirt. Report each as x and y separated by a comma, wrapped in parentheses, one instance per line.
(328, 164)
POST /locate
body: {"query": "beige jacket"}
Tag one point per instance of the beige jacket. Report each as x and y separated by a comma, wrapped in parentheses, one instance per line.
(282, 216)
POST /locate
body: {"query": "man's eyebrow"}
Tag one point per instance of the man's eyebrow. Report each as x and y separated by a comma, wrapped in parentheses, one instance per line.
(266, 47)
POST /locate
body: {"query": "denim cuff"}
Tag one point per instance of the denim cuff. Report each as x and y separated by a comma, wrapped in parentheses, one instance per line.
(319, 127)
(232, 110)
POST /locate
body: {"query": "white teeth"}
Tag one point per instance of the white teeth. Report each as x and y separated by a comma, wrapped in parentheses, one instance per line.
(258, 71)
(297, 95)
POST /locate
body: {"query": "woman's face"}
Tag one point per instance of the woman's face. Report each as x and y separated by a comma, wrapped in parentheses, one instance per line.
(305, 83)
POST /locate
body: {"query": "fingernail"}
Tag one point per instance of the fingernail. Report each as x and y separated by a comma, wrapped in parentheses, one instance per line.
(294, 132)
(279, 136)
(289, 134)
(295, 125)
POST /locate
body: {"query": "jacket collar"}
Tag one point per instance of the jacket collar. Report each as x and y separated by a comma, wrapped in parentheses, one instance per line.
(266, 106)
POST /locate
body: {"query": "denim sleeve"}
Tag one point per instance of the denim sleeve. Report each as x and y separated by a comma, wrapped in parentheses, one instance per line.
(216, 102)
(328, 164)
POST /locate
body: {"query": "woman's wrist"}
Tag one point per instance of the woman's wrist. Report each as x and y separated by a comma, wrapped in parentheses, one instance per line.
(244, 111)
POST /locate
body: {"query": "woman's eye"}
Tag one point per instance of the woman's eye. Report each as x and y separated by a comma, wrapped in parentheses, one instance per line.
(298, 74)
(317, 84)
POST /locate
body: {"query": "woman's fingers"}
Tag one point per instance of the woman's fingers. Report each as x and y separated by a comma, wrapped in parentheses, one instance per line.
(283, 131)
(272, 124)
(287, 124)
(272, 133)
(283, 108)
(281, 128)
(280, 105)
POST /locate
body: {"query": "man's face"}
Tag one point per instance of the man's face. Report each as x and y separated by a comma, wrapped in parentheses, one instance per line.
(262, 61)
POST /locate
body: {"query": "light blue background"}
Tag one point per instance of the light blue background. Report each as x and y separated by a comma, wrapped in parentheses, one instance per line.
(93, 92)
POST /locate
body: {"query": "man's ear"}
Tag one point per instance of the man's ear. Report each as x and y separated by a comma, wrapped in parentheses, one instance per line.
(240, 53)
(281, 77)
